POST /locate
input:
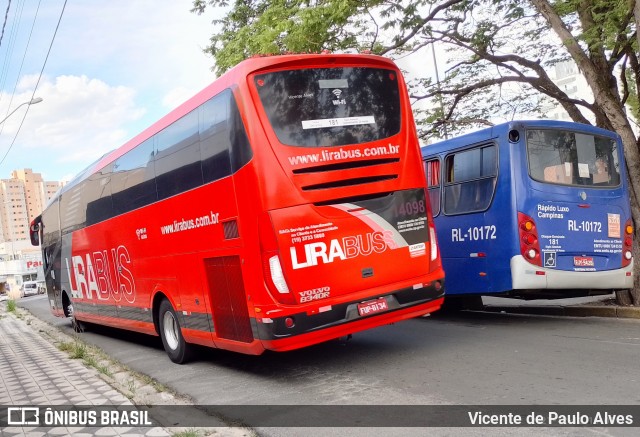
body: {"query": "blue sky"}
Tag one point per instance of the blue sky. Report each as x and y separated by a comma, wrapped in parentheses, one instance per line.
(115, 67)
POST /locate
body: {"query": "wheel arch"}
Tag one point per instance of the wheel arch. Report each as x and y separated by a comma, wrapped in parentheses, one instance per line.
(158, 297)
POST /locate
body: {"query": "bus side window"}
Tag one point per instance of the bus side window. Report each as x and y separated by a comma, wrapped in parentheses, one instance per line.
(177, 157)
(471, 180)
(432, 170)
(133, 182)
(214, 138)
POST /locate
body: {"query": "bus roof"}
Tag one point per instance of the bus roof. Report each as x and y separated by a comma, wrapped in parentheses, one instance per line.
(492, 132)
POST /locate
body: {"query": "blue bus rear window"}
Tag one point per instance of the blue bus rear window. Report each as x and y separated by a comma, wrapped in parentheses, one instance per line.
(570, 158)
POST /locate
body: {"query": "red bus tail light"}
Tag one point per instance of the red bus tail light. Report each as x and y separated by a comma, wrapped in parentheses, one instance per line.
(529, 245)
(273, 273)
(627, 247)
(277, 277)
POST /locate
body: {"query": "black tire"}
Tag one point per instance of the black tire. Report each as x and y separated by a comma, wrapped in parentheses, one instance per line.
(454, 304)
(179, 351)
(77, 325)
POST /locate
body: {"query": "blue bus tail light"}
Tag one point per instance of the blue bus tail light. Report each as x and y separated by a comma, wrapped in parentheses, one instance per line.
(627, 253)
(529, 245)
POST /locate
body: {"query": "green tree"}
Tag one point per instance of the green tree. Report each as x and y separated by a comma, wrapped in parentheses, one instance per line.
(498, 55)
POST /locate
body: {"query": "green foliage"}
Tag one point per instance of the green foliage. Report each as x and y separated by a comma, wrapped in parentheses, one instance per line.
(11, 306)
(65, 346)
(280, 26)
(78, 350)
(498, 52)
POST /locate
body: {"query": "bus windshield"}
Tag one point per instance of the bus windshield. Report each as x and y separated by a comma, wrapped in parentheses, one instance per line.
(571, 158)
(331, 106)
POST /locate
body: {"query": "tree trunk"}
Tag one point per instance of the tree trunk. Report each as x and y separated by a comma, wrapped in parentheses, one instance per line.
(636, 15)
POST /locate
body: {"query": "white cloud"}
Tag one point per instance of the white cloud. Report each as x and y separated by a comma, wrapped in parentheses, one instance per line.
(78, 120)
(177, 96)
(114, 69)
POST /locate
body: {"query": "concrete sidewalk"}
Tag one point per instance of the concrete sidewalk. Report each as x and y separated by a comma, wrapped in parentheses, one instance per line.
(592, 306)
(33, 372)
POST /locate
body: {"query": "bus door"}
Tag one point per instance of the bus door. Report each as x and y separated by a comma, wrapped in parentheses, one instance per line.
(471, 227)
(576, 200)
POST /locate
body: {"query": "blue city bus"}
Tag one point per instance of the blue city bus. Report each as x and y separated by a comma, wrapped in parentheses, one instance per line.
(531, 209)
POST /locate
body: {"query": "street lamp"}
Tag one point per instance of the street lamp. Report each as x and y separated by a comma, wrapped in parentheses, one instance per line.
(30, 102)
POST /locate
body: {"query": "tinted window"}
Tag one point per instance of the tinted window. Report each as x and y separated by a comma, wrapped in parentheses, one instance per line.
(133, 183)
(569, 158)
(205, 145)
(72, 210)
(470, 180)
(98, 196)
(177, 157)
(224, 144)
(241, 152)
(432, 170)
(331, 106)
(215, 145)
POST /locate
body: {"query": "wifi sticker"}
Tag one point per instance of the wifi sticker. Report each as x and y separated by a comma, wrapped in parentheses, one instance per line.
(338, 94)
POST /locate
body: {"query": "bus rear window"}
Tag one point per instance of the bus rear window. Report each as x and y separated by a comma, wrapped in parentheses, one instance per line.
(570, 158)
(331, 106)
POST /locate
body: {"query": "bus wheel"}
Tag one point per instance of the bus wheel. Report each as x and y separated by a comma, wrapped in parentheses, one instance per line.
(76, 324)
(179, 351)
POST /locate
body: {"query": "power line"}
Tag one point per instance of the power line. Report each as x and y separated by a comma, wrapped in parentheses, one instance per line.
(15, 85)
(13, 37)
(6, 16)
(37, 83)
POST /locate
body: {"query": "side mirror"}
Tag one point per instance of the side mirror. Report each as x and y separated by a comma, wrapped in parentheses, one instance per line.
(34, 231)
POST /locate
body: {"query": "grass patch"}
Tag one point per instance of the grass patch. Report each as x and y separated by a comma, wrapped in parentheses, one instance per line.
(153, 383)
(11, 306)
(79, 351)
(65, 346)
(76, 350)
(104, 370)
(90, 360)
(187, 433)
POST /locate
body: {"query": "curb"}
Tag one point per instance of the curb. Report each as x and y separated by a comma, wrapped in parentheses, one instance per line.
(570, 311)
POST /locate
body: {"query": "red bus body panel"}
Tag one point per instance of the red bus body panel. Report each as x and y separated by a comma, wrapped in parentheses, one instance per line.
(207, 250)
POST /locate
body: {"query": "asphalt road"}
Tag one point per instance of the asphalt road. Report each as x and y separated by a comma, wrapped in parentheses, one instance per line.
(466, 358)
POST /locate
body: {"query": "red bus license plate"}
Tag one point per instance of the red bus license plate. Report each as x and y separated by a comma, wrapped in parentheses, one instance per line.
(373, 306)
(583, 261)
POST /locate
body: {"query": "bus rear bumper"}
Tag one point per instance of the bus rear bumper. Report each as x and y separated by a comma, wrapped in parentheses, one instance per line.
(344, 319)
(526, 276)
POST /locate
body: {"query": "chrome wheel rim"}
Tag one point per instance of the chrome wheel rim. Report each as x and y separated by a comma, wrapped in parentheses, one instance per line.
(170, 330)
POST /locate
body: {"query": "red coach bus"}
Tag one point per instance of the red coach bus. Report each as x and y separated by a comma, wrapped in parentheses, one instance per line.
(282, 206)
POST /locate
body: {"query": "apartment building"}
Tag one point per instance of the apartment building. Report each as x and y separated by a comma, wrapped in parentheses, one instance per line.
(22, 198)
